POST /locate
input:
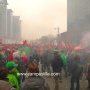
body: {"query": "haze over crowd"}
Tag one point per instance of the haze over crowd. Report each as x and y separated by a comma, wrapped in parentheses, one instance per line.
(40, 17)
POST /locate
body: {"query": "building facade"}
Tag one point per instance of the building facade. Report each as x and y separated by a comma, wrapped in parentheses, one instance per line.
(16, 28)
(3, 19)
(78, 19)
(10, 26)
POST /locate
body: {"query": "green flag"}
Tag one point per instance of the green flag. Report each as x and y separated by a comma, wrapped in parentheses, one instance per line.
(64, 58)
(27, 50)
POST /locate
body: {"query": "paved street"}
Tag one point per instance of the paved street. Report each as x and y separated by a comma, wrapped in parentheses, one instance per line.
(65, 85)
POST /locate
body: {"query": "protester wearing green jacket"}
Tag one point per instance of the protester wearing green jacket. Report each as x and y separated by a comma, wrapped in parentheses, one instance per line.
(64, 58)
(13, 81)
(65, 61)
(13, 74)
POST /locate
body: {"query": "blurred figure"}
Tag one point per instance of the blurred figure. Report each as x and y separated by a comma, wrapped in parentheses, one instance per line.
(5, 86)
(13, 81)
(69, 63)
(84, 61)
(10, 57)
(36, 55)
(6, 76)
(12, 76)
(88, 74)
(33, 67)
(57, 64)
(46, 61)
(65, 61)
(34, 82)
(24, 58)
(21, 68)
(76, 72)
(2, 59)
(3, 73)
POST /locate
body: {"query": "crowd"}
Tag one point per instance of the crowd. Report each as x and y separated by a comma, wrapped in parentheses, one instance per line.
(18, 59)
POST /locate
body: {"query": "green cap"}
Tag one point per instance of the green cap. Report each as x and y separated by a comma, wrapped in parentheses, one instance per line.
(11, 65)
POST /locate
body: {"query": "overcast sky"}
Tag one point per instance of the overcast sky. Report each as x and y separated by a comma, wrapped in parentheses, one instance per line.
(40, 17)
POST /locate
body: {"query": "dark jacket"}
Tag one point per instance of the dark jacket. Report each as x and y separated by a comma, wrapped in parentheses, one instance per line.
(88, 73)
(76, 69)
(57, 64)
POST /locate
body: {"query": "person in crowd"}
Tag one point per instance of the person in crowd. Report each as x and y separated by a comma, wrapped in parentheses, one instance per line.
(2, 59)
(13, 81)
(33, 66)
(76, 73)
(21, 67)
(57, 65)
(36, 56)
(3, 73)
(84, 61)
(24, 58)
(6, 85)
(34, 82)
(69, 63)
(10, 57)
(46, 61)
(65, 61)
(88, 74)
(8, 77)
(12, 68)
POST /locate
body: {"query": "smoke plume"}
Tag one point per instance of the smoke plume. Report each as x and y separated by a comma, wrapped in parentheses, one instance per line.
(85, 41)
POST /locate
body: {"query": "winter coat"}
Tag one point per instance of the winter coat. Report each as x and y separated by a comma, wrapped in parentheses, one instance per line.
(10, 58)
(57, 64)
(88, 73)
(13, 81)
(76, 69)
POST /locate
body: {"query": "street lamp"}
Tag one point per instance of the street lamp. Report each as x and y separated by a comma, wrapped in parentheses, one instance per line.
(58, 32)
